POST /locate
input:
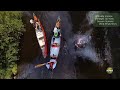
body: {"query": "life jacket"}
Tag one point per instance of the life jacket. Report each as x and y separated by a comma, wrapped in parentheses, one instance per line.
(55, 34)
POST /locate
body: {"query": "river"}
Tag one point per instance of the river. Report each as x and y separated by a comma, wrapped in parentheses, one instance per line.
(101, 51)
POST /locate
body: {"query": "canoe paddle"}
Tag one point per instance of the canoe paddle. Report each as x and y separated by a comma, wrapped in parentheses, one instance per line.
(40, 65)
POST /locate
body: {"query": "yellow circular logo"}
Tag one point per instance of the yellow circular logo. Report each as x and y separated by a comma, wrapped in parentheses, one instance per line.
(109, 70)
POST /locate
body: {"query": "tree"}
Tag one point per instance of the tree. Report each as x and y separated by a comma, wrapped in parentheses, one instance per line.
(11, 28)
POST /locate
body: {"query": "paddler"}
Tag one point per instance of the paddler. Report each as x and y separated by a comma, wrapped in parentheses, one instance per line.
(56, 31)
(35, 24)
(51, 65)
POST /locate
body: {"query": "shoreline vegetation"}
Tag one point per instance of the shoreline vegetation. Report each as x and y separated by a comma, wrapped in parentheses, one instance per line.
(11, 29)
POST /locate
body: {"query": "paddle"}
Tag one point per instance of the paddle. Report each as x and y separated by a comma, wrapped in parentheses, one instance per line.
(40, 65)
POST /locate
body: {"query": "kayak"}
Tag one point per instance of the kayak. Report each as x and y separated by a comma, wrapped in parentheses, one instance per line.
(41, 36)
(55, 45)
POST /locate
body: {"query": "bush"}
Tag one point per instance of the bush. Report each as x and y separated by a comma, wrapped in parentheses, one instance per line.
(11, 28)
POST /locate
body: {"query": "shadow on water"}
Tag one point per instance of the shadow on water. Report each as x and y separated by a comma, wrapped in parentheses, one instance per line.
(79, 20)
(29, 48)
(114, 37)
(29, 45)
(89, 70)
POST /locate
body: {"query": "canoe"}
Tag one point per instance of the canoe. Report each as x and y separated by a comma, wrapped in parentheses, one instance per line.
(55, 45)
(41, 36)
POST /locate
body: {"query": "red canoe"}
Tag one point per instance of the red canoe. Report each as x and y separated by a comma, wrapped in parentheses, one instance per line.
(41, 36)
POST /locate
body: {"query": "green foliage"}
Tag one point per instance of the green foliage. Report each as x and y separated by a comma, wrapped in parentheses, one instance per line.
(14, 69)
(11, 28)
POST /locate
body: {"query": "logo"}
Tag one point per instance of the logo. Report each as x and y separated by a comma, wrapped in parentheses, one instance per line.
(109, 70)
(106, 19)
